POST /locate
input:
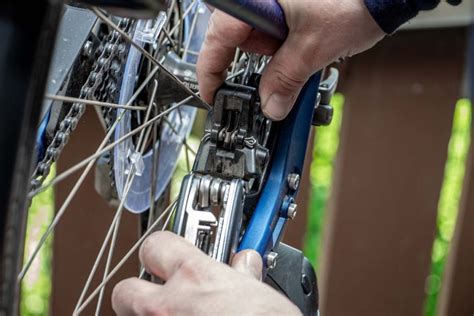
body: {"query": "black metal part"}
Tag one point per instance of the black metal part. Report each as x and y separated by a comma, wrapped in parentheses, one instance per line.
(322, 115)
(232, 146)
(294, 276)
(323, 111)
(130, 8)
(265, 15)
(454, 2)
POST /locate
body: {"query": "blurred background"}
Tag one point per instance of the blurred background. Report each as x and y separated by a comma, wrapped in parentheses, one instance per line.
(384, 213)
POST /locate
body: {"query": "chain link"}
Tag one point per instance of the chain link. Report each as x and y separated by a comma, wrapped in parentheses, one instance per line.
(101, 84)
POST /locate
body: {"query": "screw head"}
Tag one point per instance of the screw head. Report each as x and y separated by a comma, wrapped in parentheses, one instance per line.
(292, 210)
(293, 181)
(272, 260)
(306, 284)
(87, 49)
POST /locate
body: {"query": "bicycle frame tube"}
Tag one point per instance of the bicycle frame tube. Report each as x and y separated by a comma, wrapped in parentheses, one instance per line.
(265, 15)
(270, 216)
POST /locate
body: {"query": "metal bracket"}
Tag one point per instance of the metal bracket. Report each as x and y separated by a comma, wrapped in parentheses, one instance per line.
(323, 111)
(233, 146)
(294, 276)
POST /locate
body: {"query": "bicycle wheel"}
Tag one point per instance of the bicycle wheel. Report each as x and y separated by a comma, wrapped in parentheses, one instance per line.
(141, 74)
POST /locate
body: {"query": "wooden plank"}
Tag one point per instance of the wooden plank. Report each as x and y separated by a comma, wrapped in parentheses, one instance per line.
(457, 290)
(457, 286)
(79, 235)
(396, 126)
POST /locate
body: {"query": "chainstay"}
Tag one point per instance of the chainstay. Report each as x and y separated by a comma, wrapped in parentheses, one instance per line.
(101, 84)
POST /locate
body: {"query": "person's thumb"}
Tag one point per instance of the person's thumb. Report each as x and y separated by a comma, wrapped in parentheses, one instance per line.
(248, 262)
(284, 78)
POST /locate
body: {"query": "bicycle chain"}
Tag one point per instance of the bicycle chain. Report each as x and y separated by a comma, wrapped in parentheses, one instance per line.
(101, 84)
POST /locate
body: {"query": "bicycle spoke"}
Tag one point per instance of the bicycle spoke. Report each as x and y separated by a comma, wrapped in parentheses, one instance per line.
(141, 146)
(173, 129)
(107, 148)
(93, 102)
(191, 32)
(128, 255)
(165, 225)
(154, 171)
(185, 14)
(146, 54)
(112, 230)
(164, 30)
(89, 164)
(184, 142)
(236, 59)
(190, 52)
(99, 257)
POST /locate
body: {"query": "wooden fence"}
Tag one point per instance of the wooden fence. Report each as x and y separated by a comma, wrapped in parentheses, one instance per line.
(381, 219)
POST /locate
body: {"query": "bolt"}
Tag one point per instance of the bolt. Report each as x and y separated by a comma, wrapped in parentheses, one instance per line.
(87, 49)
(272, 260)
(323, 115)
(292, 209)
(306, 284)
(294, 181)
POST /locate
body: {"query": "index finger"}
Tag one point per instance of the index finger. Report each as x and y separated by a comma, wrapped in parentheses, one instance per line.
(164, 254)
(224, 35)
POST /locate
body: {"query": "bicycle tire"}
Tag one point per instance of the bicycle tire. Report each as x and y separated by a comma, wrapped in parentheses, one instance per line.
(24, 58)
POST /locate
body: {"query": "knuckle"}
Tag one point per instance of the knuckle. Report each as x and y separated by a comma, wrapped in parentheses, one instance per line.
(225, 30)
(151, 244)
(191, 270)
(287, 82)
(145, 249)
(119, 292)
(144, 304)
(149, 247)
(149, 307)
(212, 34)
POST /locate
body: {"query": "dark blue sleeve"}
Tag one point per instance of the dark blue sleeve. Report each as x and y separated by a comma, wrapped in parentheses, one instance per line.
(391, 14)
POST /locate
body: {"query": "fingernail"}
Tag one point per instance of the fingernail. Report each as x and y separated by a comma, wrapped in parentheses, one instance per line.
(248, 262)
(278, 106)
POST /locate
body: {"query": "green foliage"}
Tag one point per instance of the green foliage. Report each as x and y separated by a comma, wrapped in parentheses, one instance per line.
(450, 195)
(325, 149)
(36, 286)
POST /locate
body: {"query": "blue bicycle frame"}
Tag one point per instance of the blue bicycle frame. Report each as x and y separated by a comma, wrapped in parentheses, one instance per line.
(269, 219)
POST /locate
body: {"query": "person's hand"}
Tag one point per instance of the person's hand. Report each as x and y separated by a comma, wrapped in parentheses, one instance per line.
(321, 32)
(196, 284)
